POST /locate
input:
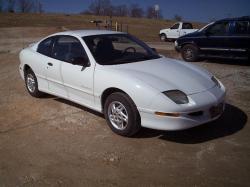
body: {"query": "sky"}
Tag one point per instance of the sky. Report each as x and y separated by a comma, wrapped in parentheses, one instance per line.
(190, 10)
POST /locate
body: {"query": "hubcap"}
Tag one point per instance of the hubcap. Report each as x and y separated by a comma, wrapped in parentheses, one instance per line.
(189, 53)
(118, 115)
(31, 84)
(163, 38)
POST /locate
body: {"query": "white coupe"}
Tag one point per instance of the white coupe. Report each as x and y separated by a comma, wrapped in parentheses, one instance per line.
(118, 75)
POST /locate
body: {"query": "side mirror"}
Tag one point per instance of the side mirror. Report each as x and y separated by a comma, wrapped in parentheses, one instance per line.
(81, 61)
(153, 49)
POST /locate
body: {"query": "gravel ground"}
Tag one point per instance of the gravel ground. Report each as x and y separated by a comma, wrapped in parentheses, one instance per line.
(53, 142)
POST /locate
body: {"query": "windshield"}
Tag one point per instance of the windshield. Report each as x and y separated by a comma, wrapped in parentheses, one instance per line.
(111, 49)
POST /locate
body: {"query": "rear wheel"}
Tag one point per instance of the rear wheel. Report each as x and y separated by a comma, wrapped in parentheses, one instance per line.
(31, 84)
(121, 114)
(190, 53)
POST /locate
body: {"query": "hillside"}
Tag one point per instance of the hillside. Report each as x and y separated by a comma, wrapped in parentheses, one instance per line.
(145, 29)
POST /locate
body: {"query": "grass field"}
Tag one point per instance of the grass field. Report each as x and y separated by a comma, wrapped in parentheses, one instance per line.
(145, 29)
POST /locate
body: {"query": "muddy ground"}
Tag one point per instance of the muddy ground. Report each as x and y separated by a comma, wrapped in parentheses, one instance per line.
(53, 142)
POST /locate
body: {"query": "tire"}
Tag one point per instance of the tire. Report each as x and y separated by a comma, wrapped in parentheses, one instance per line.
(117, 108)
(163, 37)
(190, 53)
(31, 84)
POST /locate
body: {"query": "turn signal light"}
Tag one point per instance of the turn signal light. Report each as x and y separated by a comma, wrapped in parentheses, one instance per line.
(167, 114)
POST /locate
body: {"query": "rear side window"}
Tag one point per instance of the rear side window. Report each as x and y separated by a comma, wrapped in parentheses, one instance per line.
(67, 49)
(45, 46)
(241, 28)
(187, 26)
(219, 29)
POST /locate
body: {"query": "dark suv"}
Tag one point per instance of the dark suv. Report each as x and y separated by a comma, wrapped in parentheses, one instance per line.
(227, 38)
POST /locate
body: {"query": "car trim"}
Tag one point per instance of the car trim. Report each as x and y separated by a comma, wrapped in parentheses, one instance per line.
(223, 49)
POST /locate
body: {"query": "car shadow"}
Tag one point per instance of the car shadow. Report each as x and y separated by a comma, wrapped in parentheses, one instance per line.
(67, 102)
(227, 61)
(232, 121)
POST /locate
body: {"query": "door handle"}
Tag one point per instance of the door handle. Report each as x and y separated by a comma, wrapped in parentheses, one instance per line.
(50, 64)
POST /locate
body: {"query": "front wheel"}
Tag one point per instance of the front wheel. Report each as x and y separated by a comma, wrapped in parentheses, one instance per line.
(163, 37)
(190, 53)
(121, 114)
(31, 84)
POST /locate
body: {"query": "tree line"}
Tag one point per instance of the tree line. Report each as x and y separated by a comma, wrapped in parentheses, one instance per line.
(96, 7)
(23, 6)
(106, 8)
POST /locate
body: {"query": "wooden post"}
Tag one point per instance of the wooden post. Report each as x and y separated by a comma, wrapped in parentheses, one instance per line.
(116, 26)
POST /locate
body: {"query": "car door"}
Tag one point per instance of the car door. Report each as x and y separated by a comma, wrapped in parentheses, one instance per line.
(53, 74)
(174, 31)
(78, 80)
(186, 28)
(44, 50)
(239, 39)
(215, 41)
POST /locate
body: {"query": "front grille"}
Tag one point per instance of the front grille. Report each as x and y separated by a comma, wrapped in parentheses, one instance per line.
(195, 114)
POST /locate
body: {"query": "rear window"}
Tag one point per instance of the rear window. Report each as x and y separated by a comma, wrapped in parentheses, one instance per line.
(241, 28)
(187, 26)
(45, 46)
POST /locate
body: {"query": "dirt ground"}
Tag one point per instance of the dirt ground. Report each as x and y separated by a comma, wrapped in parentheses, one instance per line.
(53, 142)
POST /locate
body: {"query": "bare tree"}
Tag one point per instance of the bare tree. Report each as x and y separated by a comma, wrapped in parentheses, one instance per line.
(40, 7)
(11, 5)
(26, 6)
(1, 5)
(120, 10)
(151, 13)
(101, 7)
(136, 11)
(177, 17)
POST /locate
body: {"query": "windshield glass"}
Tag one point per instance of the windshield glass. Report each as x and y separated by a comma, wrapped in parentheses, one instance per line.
(111, 49)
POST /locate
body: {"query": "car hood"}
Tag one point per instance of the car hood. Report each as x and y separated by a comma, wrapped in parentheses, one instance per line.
(195, 33)
(168, 74)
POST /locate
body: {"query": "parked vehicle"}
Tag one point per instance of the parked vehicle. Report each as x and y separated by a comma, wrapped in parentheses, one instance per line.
(118, 75)
(177, 30)
(227, 38)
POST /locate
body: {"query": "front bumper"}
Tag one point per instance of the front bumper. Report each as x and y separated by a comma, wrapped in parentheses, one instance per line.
(177, 47)
(202, 113)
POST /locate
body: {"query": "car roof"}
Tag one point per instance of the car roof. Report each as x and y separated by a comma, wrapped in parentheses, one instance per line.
(243, 18)
(82, 33)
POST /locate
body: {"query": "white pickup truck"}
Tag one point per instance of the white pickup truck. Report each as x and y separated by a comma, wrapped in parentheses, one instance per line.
(177, 30)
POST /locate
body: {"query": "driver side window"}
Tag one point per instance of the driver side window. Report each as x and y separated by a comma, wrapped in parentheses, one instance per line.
(219, 29)
(68, 49)
(175, 26)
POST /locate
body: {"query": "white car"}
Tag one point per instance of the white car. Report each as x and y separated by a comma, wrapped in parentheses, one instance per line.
(118, 75)
(177, 30)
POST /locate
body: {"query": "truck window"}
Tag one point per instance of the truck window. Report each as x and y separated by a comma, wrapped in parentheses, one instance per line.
(241, 28)
(175, 26)
(187, 26)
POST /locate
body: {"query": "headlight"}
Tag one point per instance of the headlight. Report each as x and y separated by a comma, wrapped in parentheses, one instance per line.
(177, 96)
(215, 80)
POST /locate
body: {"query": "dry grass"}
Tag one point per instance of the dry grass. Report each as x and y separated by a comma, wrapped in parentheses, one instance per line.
(145, 29)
